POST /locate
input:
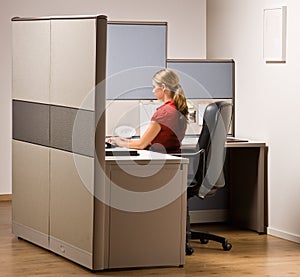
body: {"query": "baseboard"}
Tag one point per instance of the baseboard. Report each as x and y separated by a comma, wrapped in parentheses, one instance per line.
(71, 252)
(209, 216)
(283, 234)
(27, 233)
(5, 197)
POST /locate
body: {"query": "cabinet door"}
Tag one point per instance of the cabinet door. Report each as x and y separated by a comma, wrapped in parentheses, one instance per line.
(134, 53)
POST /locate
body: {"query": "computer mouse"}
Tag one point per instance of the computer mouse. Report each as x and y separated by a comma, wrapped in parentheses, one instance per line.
(109, 145)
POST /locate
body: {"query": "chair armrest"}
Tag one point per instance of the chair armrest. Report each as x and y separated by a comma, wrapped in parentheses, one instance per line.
(189, 154)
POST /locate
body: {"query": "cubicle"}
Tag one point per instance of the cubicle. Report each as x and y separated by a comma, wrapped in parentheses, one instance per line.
(62, 111)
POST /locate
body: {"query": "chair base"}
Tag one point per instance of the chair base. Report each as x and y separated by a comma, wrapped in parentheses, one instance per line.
(204, 237)
(188, 250)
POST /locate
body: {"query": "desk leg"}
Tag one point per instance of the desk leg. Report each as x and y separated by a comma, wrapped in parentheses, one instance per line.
(247, 184)
(262, 205)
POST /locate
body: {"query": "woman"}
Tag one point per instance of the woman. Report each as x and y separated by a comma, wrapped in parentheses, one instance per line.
(169, 122)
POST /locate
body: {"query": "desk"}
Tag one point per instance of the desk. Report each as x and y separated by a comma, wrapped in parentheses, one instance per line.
(147, 215)
(247, 180)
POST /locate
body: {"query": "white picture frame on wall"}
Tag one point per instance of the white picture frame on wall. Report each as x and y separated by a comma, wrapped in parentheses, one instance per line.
(274, 35)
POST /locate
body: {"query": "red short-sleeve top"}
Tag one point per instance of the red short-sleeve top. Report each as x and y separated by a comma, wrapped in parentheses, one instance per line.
(172, 128)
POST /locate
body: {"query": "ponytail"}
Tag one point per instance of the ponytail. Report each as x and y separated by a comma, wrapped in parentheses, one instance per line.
(180, 101)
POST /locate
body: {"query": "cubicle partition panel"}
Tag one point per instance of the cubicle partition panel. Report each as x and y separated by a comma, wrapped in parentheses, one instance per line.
(58, 65)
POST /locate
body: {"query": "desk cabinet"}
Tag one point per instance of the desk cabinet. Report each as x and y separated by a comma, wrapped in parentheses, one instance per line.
(246, 185)
(147, 213)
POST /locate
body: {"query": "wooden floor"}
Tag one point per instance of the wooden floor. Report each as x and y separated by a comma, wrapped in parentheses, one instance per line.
(251, 255)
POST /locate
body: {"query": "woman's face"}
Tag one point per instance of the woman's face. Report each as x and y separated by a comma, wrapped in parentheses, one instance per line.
(158, 91)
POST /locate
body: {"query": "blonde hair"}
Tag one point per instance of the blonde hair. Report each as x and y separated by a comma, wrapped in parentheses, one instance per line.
(171, 80)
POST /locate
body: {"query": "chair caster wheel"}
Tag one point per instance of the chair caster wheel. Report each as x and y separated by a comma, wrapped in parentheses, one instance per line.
(204, 241)
(188, 250)
(226, 246)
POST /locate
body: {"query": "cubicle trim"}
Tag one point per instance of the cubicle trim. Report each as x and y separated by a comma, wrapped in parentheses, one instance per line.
(201, 60)
(138, 22)
(17, 18)
(100, 255)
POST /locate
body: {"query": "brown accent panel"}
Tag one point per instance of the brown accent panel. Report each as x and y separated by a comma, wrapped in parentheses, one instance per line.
(72, 130)
(100, 249)
(31, 122)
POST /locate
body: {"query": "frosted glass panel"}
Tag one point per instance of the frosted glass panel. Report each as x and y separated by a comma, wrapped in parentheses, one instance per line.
(134, 53)
(205, 80)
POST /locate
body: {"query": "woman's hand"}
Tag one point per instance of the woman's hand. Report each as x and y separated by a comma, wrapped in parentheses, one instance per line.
(119, 141)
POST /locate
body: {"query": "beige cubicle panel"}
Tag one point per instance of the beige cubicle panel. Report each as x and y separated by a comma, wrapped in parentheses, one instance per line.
(73, 66)
(58, 64)
(30, 162)
(31, 60)
(73, 63)
(31, 192)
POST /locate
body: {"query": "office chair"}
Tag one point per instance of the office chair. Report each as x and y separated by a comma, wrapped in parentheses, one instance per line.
(208, 162)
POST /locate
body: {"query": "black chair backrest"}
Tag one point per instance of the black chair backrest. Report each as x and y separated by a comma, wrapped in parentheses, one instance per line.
(209, 174)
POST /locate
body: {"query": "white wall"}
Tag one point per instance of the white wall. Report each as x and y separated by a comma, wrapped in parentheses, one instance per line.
(186, 39)
(267, 97)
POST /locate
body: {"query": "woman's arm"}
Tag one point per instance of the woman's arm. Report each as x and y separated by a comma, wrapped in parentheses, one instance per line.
(151, 132)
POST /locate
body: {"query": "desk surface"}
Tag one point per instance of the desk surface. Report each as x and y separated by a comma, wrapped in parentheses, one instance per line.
(144, 155)
(191, 141)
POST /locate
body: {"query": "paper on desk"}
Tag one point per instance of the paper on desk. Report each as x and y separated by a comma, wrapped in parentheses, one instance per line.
(201, 108)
